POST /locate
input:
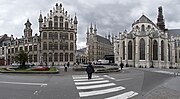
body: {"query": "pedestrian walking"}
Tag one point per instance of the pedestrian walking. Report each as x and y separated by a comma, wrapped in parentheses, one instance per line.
(89, 70)
(65, 67)
(68, 64)
(121, 65)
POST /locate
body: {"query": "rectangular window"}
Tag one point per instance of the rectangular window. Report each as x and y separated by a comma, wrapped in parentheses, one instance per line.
(3, 51)
(12, 50)
(16, 50)
(21, 48)
(30, 58)
(26, 48)
(30, 48)
(9, 51)
(35, 58)
(35, 47)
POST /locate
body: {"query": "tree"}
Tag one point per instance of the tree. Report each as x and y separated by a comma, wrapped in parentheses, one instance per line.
(21, 58)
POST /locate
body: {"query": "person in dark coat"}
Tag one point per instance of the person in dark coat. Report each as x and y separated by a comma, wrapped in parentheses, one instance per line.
(89, 70)
(65, 67)
(121, 65)
(68, 64)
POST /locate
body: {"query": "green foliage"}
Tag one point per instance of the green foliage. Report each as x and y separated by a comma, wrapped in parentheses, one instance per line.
(21, 58)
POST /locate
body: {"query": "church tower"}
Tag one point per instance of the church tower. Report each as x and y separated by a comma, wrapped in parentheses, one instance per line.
(27, 30)
(40, 22)
(160, 19)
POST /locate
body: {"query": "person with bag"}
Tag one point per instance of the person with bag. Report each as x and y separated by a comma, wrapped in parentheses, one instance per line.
(89, 70)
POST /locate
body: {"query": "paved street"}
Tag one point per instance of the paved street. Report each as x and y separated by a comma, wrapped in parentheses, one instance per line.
(131, 83)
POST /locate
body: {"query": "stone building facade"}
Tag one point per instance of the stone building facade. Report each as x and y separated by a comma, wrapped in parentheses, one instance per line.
(58, 35)
(56, 43)
(97, 46)
(147, 44)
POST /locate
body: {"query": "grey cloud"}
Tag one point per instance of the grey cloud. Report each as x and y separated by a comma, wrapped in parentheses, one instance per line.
(110, 15)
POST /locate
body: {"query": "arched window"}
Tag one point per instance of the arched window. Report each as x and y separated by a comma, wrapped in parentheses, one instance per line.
(61, 57)
(71, 46)
(55, 36)
(50, 35)
(155, 50)
(162, 50)
(56, 46)
(143, 28)
(71, 57)
(50, 57)
(44, 57)
(123, 44)
(66, 57)
(44, 35)
(56, 57)
(50, 24)
(55, 22)
(71, 36)
(44, 46)
(50, 46)
(66, 25)
(130, 50)
(169, 52)
(61, 22)
(142, 49)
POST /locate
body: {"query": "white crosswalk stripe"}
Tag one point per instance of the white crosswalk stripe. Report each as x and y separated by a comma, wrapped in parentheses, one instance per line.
(84, 77)
(92, 82)
(98, 92)
(124, 95)
(88, 79)
(95, 86)
(99, 86)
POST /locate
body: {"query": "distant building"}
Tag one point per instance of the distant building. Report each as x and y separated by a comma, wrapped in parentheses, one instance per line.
(4, 40)
(55, 45)
(81, 56)
(98, 46)
(148, 44)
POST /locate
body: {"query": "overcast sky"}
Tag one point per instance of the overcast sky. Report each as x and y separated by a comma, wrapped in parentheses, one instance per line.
(111, 16)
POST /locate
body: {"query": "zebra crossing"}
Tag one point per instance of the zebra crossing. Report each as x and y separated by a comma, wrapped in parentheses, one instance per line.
(99, 86)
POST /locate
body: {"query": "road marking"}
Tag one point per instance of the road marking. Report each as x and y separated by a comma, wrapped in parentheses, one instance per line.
(93, 82)
(165, 72)
(123, 79)
(89, 79)
(109, 77)
(35, 92)
(98, 92)
(124, 95)
(95, 86)
(82, 77)
(20, 83)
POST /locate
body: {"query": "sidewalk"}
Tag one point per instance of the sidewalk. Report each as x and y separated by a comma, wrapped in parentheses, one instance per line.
(168, 90)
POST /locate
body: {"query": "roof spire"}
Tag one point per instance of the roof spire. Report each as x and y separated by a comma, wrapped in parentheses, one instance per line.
(40, 17)
(75, 19)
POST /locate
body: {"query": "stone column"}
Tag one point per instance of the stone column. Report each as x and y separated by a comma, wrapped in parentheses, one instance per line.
(147, 52)
(137, 51)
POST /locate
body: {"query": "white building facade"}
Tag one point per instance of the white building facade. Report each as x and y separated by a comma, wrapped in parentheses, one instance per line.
(146, 45)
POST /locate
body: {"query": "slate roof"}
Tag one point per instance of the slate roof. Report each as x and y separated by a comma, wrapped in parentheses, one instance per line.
(103, 40)
(174, 32)
(144, 19)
